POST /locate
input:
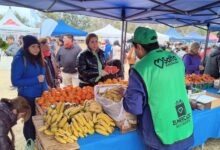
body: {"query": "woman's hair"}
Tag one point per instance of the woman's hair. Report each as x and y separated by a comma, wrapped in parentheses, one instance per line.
(89, 37)
(20, 104)
(194, 45)
(116, 43)
(59, 39)
(34, 59)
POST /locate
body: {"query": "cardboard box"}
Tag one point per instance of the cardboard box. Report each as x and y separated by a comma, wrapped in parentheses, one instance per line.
(212, 104)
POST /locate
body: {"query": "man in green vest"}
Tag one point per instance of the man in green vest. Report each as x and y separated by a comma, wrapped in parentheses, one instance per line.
(156, 94)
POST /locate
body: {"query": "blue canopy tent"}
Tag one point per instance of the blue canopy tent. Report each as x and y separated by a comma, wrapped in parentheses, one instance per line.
(195, 37)
(173, 13)
(174, 35)
(62, 28)
(214, 28)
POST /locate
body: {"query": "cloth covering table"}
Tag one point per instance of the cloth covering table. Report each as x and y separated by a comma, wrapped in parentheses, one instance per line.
(206, 125)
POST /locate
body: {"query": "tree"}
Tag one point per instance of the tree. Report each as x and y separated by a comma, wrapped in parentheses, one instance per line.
(24, 20)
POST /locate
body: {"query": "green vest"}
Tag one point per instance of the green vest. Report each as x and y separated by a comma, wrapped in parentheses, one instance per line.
(163, 74)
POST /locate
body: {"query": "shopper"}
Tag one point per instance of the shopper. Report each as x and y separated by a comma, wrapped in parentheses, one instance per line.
(66, 59)
(91, 63)
(212, 66)
(192, 60)
(13, 47)
(28, 75)
(156, 94)
(11, 110)
(53, 76)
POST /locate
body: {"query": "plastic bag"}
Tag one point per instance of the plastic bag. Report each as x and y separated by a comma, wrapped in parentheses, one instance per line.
(29, 145)
(125, 121)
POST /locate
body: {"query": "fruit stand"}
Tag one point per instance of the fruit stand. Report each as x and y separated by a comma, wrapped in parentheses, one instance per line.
(95, 128)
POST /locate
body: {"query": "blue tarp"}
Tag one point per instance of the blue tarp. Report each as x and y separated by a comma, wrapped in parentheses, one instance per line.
(214, 28)
(174, 35)
(195, 36)
(184, 12)
(63, 28)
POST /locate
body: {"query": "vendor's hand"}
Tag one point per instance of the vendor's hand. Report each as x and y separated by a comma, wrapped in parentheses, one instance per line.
(104, 73)
(41, 78)
(201, 67)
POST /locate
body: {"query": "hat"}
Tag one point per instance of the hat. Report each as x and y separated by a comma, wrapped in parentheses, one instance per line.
(144, 35)
(29, 40)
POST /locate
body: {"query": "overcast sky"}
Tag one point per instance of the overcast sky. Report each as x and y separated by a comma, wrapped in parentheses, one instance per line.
(25, 12)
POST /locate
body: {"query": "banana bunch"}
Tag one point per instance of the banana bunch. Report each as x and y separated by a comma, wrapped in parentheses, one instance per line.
(92, 106)
(67, 125)
(115, 94)
(103, 124)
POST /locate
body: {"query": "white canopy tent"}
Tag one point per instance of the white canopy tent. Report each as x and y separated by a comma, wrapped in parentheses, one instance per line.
(111, 33)
(10, 25)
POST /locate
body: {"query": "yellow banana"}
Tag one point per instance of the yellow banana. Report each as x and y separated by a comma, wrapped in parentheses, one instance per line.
(54, 130)
(81, 135)
(60, 115)
(91, 131)
(75, 110)
(70, 140)
(54, 118)
(94, 118)
(76, 126)
(49, 110)
(42, 128)
(54, 111)
(48, 121)
(77, 117)
(91, 123)
(61, 108)
(84, 120)
(104, 124)
(88, 116)
(54, 125)
(102, 132)
(98, 126)
(61, 140)
(62, 122)
(64, 132)
(73, 137)
(58, 106)
(47, 132)
(65, 127)
(104, 117)
(74, 131)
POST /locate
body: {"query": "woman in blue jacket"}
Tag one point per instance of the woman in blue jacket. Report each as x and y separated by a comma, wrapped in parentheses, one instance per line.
(28, 75)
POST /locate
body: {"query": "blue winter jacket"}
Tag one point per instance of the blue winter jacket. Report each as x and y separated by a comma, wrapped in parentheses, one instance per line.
(24, 76)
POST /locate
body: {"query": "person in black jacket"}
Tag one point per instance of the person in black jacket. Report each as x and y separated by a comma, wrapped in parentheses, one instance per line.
(11, 110)
(213, 63)
(91, 63)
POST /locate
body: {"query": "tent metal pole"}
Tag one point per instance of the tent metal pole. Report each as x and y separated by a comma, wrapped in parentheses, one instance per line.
(122, 47)
(206, 44)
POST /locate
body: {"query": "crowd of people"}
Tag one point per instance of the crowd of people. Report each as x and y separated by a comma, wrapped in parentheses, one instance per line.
(41, 64)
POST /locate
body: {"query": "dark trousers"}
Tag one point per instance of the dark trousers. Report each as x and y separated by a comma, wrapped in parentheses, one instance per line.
(29, 130)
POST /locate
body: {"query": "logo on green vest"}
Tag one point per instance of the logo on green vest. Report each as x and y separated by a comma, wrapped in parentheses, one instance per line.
(161, 62)
(183, 117)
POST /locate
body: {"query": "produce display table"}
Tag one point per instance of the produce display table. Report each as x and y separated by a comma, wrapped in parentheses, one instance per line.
(206, 125)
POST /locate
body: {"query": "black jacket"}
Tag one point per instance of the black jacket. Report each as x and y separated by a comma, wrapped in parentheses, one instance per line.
(88, 66)
(213, 63)
(7, 120)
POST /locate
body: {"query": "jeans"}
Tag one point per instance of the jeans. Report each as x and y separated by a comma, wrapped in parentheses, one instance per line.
(29, 129)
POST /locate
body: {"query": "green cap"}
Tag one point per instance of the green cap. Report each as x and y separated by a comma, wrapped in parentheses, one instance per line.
(144, 35)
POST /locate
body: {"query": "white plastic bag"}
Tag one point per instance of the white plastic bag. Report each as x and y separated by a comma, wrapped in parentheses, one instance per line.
(115, 110)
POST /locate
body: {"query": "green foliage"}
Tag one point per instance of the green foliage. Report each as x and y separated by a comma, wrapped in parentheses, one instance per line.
(24, 20)
(3, 45)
